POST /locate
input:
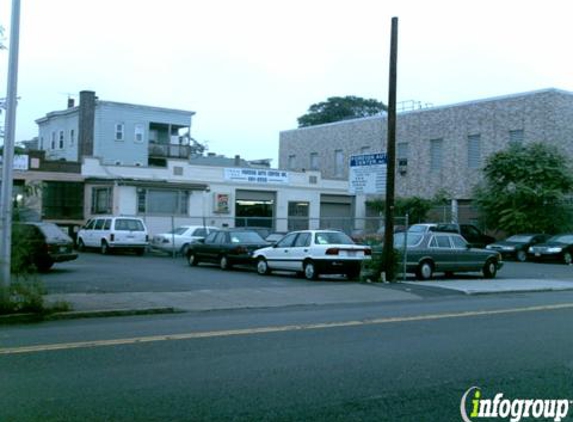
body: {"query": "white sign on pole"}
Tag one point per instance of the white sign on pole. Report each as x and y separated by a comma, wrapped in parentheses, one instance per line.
(367, 174)
(257, 176)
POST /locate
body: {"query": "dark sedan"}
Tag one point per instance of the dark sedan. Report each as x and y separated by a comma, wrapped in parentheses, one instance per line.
(226, 248)
(449, 253)
(41, 244)
(557, 248)
(516, 246)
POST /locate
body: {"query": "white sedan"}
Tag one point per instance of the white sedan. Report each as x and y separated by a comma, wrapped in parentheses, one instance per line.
(179, 239)
(313, 252)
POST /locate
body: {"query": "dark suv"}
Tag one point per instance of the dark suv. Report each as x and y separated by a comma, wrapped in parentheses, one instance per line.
(41, 244)
(471, 233)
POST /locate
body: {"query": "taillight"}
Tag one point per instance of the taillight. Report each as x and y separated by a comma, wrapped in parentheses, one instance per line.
(111, 237)
(332, 251)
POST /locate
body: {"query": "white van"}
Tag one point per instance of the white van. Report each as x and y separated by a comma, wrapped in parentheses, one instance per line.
(111, 233)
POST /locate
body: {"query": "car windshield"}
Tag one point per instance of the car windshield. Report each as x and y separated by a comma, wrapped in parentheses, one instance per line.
(520, 238)
(51, 231)
(418, 228)
(412, 239)
(332, 238)
(246, 237)
(562, 238)
(178, 230)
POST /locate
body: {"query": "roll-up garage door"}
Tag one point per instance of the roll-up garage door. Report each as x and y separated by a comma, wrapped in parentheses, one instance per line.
(336, 212)
(254, 208)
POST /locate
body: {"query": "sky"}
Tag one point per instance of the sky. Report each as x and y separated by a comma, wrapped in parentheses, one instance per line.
(249, 68)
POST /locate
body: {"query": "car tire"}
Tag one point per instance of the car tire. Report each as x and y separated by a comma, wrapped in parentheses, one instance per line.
(104, 249)
(263, 267)
(310, 272)
(521, 256)
(184, 249)
(353, 275)
(81, 245)
(224, 263)
(425, 270)
(44, 266)
(490, 268)
(192, 259)
(567, 258)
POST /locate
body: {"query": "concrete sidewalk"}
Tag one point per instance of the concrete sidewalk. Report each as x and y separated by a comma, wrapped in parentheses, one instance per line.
(489, 286)
(217, 299)
(273, 297)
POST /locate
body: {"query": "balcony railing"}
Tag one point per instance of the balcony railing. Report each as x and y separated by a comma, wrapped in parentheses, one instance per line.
(168, 150)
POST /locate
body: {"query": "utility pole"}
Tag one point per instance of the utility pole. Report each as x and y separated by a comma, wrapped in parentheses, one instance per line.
(8, 156)
(391, 152)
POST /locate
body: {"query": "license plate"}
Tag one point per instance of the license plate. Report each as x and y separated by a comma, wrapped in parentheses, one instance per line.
(537, 254)
(63, 249)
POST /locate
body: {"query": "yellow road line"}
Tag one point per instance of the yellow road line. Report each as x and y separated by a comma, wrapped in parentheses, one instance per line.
(272, 329)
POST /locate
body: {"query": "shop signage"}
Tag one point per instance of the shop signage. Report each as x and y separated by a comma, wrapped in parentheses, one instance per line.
(367, 174)
(20, 162)
(259, 176)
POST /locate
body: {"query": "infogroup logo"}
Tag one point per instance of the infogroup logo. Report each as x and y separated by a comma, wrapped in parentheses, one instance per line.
(514, 409)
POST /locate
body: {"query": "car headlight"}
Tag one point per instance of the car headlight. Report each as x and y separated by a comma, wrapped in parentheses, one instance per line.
(554, 250)
(530, 250)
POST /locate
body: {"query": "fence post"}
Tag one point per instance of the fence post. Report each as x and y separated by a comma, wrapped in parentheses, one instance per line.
(406, 224)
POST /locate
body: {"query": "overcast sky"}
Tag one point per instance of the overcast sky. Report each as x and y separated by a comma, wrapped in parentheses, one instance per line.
(249, 68)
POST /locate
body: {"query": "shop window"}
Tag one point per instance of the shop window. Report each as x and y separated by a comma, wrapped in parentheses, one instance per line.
(101, 200)
(298, 213)
(162, 202)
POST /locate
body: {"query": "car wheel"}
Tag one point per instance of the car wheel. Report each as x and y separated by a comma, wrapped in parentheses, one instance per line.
(44, 265)
(104, 248)
(490, 269)
(184, 249)
(521, 256)
(192, 259)
(567, 259)
(310, 272)
(353, 275)
(224, 263)
(425, 270)
(263, 267)
(81, 245)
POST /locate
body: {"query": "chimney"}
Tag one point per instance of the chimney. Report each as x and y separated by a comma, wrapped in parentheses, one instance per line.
(86, 122)
(237, 161)
(71, 102)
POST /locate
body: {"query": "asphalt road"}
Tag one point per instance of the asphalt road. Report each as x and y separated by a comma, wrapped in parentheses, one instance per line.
(92, 272)
(397, 362)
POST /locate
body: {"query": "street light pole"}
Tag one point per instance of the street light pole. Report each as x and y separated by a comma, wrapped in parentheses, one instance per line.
(8, 156)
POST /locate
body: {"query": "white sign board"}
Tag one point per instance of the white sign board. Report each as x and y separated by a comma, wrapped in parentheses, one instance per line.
(367, 174)
(20, 162)
(261, 176)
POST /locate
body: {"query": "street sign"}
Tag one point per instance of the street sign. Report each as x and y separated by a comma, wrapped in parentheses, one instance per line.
(367, 174)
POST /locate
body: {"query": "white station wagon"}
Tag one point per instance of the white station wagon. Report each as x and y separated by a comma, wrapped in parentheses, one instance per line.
(313, 252)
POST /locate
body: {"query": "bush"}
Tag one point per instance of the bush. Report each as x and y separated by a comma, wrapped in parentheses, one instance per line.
(373, 268)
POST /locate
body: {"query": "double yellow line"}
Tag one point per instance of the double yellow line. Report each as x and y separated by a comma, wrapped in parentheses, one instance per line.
(272, 329)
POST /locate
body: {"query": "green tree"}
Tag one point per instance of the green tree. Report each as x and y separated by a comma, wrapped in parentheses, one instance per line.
(524, 188)
(335, 109)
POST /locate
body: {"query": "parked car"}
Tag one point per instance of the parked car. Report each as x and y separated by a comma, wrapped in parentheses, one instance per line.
(226, 247)
(41, 244)
(313, 252)
(422, 227)
(474, 236)
(558, 248)
(179, 239)
(445, 252)
(275, 237)
(516, 246)
(114, 233)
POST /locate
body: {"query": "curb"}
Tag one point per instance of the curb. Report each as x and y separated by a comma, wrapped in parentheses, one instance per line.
(98, 313)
